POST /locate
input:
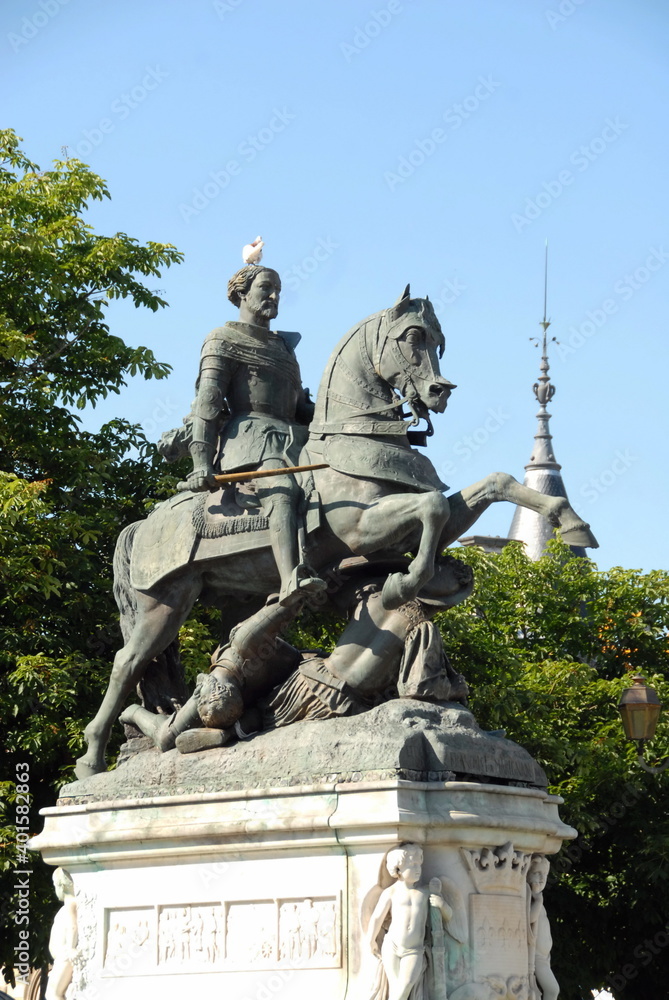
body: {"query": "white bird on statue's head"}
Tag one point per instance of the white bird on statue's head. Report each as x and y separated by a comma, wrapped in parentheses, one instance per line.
(252, 252)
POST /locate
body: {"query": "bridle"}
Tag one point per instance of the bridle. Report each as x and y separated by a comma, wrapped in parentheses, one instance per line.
(372, 370)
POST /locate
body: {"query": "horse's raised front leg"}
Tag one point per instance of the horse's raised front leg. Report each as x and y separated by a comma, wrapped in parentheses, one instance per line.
(155, 627)
(398, 520)
(467, 506)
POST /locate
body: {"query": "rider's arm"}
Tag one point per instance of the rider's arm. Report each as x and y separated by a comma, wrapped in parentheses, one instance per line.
(216, 373)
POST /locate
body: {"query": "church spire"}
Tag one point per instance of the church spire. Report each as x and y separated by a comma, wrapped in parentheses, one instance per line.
(544, 390)
(542, 472)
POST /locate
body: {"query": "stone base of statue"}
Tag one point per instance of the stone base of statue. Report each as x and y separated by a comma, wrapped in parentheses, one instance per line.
(256, 870)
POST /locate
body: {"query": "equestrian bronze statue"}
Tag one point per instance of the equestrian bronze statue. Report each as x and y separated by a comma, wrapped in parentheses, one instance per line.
(370, 499)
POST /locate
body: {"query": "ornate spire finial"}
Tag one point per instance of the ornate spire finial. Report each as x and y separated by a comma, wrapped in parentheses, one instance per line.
(544, 390)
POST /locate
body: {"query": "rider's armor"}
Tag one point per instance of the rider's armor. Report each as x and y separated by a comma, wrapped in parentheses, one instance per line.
(251, 412)
(249, 378)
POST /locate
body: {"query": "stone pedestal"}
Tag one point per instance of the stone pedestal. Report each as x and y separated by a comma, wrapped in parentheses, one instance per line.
(251, 893)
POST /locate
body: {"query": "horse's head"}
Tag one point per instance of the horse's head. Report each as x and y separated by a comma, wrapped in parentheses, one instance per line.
(409, 347)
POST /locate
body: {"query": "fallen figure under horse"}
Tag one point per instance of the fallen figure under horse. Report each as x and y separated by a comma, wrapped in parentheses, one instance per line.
(377, 495)
(258, 681)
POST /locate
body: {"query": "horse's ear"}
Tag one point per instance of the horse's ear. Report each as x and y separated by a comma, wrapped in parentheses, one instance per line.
(405, 296)
(402, 304)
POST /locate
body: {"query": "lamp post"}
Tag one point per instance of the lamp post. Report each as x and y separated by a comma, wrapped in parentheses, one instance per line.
(640, 708)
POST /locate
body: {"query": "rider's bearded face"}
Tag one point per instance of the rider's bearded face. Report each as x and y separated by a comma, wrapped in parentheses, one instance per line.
(262, 298)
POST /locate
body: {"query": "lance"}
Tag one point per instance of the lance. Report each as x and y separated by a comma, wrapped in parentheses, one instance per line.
(243, 477)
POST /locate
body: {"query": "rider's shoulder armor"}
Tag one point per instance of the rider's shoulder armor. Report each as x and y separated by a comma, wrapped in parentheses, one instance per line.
(291, 339)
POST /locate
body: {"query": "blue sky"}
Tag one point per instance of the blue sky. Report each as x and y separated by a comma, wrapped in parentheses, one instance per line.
(372, 144)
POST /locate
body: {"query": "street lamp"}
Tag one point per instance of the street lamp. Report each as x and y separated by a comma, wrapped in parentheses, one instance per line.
(640, 708)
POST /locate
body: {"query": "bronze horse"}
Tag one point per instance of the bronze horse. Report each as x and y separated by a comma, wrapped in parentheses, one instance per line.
(377, 496)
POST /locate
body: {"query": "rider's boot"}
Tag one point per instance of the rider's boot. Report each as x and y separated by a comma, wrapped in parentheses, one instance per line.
(163, 729)
(297, 578)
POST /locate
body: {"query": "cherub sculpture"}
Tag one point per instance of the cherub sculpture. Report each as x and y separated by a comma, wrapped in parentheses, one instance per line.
(396, 919)
(63, 939)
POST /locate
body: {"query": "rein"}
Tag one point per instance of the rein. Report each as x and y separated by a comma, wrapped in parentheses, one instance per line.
(369, 378)
(372, 371)
(380, 409)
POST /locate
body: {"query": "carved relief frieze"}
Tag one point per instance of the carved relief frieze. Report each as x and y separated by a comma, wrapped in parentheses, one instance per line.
(193, 933)
(226, 935)
(309, 932)
(251, 933)
(130, 940)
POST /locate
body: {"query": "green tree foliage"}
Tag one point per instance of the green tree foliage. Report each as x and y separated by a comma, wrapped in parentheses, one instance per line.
(547, 648)
(65, 493)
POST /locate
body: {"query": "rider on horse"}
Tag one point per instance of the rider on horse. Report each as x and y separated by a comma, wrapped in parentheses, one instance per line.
(373, 504)
(251, 412)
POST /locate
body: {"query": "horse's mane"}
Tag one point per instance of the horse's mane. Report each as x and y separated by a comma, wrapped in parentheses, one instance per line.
(371, 323)
(362, 328)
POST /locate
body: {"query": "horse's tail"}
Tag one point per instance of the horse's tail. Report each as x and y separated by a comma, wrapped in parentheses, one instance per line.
(162, 688)
(124, 593)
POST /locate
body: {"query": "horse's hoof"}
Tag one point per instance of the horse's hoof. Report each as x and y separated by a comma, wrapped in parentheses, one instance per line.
(396, 591)
(85, 769)
(579, 534)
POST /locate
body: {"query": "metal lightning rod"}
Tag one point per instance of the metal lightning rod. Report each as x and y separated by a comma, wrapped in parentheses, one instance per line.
(545, 323)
